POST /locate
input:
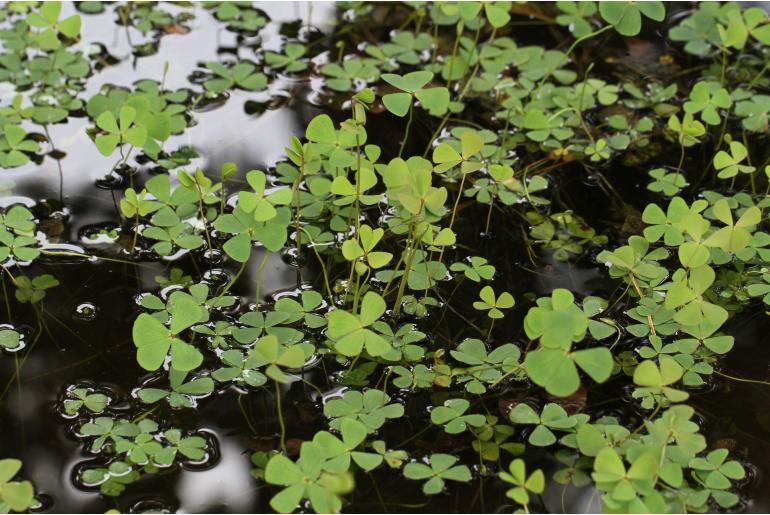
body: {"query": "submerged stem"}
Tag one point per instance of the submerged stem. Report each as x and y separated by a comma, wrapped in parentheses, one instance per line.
(280, 415)
(406, 131)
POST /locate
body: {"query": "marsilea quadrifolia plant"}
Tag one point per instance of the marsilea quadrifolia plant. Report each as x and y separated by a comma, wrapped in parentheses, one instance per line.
(401, 301)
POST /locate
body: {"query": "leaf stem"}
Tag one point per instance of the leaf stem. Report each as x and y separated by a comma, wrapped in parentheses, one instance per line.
(262, 265)
(279, 411)
(742, 380)
(406, 131)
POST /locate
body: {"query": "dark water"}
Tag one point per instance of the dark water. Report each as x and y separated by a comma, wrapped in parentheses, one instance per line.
(88, 318)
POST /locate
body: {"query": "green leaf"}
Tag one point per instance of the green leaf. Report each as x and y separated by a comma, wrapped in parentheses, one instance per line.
(185, 357)
(185, 311)
(238, 247)
(19, 496)
(70, 26)
(152, 340)
(9, 467)
(553, 370)
(597, 363)
(434, 100)
(626, 16)
(321, 130)
(106, 144)
(397, 103)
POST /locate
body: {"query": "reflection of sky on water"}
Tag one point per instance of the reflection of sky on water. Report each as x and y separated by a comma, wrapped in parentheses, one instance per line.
(220, 135)
(227, 487)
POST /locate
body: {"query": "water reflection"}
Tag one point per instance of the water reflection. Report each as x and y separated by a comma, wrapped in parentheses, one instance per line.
(228, 487)
(77, 345)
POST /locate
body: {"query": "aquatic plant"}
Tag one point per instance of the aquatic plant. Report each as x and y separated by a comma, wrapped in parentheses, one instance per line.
(507, 243)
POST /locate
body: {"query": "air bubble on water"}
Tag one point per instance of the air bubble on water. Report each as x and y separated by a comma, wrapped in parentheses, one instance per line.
(67, 253)
(293, 258)
(41, 503)
(211, 103)
(99, 234)
(86, 311)
(314, 360)
(11, 200)
(156, 505)
(176, 255)
(91, 388)
(216, 277)
(166, 292)
(212, 256)
(232, 200)
(21, 344)
(111, 181)
(334, 393)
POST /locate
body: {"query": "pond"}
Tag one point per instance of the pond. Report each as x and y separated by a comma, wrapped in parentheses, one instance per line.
(384, 257)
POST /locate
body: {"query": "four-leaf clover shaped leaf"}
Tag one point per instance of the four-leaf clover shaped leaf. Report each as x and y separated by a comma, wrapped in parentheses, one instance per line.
(153, 339)
(14, 146)
(412, 85)
(557, 321)
(623, 484)
(107, 428)
(342, 76)
(270, 353)
(84, 397)
(729, 165)
(667, 183)
(688, 129)
(553, 417)
(706, 98)
(523, 485)
(304, 310)
(272, 235)
(556, 370)
(290, 60)
(656, 379)
(493, 304)
(576, 17)
(240, 368)
(350, 332)
(134, 205)
(48, 19)
(476, 270)
(715, 472)
(182, 393)
(258, 202)
(191, 447)
(305, 479)
(626, 16)
(440, 467)
(21, 248)
(242, 75)
(446, 157)
(34, 290)
(484, 367)
(122, 130)
(452, 416)
(16, 496)
(371, 407)
(735, 236)
(339, 452)
(369, 238)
